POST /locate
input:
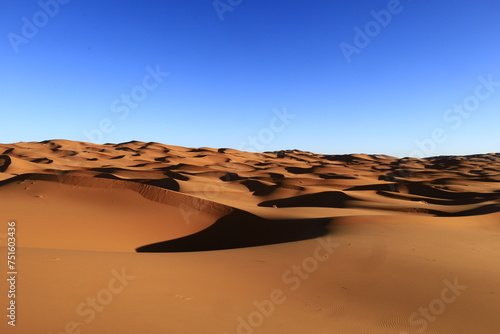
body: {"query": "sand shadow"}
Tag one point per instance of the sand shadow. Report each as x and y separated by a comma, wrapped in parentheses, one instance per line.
(241, 229)
(259, 188)
(326, 199)
(482, 210)
(5, 162)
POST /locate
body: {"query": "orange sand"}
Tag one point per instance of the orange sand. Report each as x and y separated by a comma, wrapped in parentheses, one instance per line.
(149, 238)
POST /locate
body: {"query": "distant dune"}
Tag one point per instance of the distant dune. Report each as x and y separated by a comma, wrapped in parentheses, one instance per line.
(225, 241)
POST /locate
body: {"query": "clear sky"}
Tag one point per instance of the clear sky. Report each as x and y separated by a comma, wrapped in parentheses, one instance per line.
(404, 78)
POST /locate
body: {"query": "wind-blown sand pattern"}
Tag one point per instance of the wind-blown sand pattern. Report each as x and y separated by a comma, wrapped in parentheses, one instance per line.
(351, 243)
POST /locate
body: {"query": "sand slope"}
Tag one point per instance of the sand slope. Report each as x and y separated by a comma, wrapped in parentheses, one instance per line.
(150, 238)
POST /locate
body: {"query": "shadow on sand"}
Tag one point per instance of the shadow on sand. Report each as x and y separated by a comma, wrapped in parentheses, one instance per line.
(242, 229)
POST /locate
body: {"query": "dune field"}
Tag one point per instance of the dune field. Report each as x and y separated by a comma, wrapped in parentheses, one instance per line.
(151, 238)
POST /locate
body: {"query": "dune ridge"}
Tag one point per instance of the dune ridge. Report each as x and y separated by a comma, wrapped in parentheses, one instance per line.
(153, 193)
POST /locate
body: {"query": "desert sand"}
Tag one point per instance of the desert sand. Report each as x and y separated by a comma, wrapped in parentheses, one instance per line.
(151, 238)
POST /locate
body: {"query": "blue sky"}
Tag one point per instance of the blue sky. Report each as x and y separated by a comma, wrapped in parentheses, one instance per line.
(404, 78)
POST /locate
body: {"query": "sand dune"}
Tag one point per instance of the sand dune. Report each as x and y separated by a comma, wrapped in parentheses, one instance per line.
(225, 241)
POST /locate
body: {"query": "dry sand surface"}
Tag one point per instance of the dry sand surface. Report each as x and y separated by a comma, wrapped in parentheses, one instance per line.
(150, 238)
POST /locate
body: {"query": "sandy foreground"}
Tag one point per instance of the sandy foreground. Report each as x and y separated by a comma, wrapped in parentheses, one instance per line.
(150, 238)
